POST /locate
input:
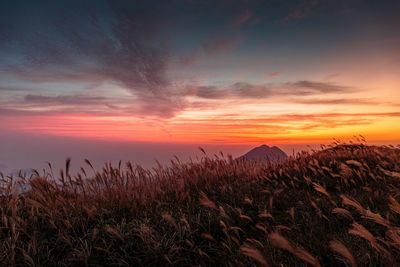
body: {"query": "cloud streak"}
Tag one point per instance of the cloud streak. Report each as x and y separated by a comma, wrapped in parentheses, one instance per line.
(65, 100)
(243, 18)
(244, 90)
(30, 104)
(301, 10)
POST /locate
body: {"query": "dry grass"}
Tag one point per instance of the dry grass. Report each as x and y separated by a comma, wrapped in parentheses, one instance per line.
(281, 242)
(359, 230)
(342, 250)
(254, 254)
(218, 212)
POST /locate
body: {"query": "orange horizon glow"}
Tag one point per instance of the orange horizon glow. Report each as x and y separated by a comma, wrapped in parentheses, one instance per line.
(282, 129)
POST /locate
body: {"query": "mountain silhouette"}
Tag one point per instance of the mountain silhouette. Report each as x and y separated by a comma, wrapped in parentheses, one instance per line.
(266, 153)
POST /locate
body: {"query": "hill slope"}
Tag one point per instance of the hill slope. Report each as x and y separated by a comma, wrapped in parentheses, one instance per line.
(329, 208)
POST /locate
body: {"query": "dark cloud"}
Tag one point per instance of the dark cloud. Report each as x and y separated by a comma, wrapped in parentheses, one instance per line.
(246, 90)
(236, 90)
(318, 87)
(128, 49)
(161, 106)
(209, 92)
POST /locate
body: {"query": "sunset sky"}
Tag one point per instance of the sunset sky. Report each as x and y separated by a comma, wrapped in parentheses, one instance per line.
(178, 74)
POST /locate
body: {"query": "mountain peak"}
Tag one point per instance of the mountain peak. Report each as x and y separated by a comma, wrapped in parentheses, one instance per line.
(266, 153)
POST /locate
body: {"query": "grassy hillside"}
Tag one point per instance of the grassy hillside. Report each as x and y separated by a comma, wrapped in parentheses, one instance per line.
(335, 207)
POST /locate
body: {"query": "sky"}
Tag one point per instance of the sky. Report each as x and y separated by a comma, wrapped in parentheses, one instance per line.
(145, 80)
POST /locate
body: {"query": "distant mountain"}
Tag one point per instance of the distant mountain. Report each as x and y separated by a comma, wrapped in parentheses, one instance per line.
(265, 152)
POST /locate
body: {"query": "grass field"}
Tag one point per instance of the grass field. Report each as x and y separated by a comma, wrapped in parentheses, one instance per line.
(334, 207)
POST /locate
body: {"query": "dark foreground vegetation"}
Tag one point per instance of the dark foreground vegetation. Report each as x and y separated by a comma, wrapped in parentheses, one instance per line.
(335, 207)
